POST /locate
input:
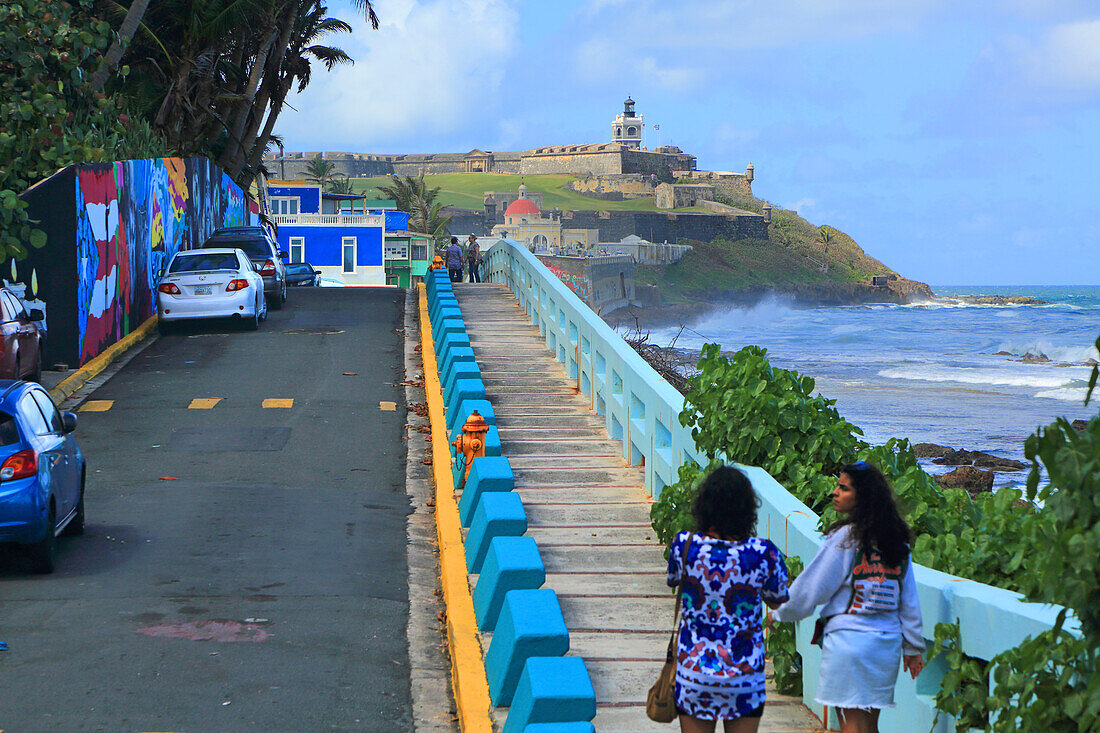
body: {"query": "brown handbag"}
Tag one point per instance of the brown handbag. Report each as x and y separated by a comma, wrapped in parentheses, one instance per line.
(660, 704)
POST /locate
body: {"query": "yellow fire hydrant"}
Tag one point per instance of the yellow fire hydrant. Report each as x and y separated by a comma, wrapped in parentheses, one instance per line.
(472, 441)
(437, 263)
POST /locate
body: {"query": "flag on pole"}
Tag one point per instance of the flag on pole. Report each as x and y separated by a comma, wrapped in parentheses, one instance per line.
(656, 127)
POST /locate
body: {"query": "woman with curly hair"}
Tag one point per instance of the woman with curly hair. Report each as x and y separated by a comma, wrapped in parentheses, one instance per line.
(863, 575)
(726, 573)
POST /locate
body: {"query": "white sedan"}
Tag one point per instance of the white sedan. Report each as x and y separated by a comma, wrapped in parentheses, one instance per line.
(211, 283)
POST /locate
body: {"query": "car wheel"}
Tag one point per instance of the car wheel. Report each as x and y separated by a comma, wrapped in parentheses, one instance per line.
(43, 553)
(75, 528)
(284, 291)
(253, 323)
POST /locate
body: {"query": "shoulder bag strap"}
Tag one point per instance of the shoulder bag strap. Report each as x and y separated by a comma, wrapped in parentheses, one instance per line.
(679, 595)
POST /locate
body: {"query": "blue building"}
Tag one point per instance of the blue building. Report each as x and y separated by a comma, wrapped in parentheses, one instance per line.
(342, 235)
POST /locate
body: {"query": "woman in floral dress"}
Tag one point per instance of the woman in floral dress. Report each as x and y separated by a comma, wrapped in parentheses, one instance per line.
(727, 573)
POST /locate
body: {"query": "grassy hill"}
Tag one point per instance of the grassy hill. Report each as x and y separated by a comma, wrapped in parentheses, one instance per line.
(467, 191)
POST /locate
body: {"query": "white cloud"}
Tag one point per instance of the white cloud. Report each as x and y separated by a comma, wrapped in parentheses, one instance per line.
(431, 67)
(1067, 57)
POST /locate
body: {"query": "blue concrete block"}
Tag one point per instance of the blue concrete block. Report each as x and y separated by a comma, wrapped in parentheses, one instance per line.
(462, 353)
(499, 514)
(585, 727)
(447, 311)
(451, 340)
(554, 695)
(511, 563)
(492, 441)
(442, 300)
(460, 391)
(530, 625)
(443, 326)
(461, 370)
(489, 473)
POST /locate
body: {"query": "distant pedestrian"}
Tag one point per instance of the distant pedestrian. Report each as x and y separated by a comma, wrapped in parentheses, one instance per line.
(454, 261)
(726, 573)
(871, 622)
(473, 259)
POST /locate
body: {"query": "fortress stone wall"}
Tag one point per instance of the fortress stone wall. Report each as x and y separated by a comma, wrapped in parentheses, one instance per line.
(614, 188)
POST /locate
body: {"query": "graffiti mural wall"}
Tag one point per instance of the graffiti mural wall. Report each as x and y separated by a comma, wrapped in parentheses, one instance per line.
(579, 284)
(129, 218)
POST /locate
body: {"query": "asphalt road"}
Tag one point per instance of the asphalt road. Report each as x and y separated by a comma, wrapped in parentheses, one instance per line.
(244, 567)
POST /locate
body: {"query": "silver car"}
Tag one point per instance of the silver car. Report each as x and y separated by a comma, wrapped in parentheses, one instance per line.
(211, 283)
(264, 252)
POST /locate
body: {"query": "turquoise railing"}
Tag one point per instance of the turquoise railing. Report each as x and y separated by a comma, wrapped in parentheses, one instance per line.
(641, 410)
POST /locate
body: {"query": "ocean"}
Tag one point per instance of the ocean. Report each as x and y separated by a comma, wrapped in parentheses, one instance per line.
(939, 372)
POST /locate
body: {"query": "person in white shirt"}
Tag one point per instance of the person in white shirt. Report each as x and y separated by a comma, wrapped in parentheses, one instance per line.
(871, 619)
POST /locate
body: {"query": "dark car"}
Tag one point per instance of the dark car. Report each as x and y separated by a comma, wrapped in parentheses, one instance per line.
(41, 472)
(21, 339)
(301, 274)
(261, 248)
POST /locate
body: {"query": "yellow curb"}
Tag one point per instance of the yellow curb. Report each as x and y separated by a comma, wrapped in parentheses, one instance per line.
(471, 687)
(80, 377)
(97, 406)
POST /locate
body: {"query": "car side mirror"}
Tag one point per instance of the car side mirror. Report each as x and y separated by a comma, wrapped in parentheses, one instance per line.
(316, 272)
(68, 422)
(35, 315)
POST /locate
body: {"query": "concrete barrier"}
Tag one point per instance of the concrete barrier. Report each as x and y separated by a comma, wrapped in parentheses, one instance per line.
(530, 625)
(486, 474)
(462, 353)
(554, 695)
(461, 390)
(461, 370)
(455, 339)
(443, 300)
(498, 514)
(512, 563)
(460, 413)
(444, 327)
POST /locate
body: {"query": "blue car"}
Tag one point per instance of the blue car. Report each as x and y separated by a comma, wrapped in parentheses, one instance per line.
(41, 472)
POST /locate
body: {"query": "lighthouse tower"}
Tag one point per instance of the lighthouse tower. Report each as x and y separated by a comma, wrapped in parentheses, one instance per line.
(627, 127)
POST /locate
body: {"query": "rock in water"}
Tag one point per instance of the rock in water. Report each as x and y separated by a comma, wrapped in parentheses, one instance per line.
(1039, 358)
(930, 450)
(957, 458)
(974, 480)
(1080, 425)
(1000, 464)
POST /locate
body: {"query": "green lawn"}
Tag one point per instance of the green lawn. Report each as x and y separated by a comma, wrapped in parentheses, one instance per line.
(467, 191)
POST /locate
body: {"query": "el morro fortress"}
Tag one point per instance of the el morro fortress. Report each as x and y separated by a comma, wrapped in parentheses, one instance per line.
(616, 170)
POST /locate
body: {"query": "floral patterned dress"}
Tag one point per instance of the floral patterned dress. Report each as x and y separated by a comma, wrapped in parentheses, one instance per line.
(720, 650)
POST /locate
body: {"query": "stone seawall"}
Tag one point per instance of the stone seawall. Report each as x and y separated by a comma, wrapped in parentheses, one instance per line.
(666, 227)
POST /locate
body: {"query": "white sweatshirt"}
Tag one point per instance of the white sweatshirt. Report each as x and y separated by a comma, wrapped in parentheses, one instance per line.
(879, 604)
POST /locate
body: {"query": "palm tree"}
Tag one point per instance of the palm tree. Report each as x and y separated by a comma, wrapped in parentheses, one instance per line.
(114, 54)
(320, 171)
(824, 236)
(412, 195)
(340, 183)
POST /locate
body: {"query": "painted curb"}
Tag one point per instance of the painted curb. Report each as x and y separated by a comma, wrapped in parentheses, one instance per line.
(70, 384)
(468, 680)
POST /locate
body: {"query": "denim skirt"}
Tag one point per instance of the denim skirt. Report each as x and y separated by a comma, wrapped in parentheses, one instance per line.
(859, 669)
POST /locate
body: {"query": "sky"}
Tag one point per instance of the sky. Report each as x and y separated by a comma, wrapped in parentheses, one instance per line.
(956, 142)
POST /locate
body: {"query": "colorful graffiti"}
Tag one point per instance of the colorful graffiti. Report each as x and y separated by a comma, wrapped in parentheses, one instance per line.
(131, 217)
(579, 284)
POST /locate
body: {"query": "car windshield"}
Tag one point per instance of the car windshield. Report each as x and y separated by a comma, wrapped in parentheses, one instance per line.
(256, 248)
(9, 434)
(299, 269)
(204, 261)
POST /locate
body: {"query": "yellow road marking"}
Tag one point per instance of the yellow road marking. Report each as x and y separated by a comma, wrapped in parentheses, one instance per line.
(204, 403)
(278, 402)
(387, 406)
(96, 406)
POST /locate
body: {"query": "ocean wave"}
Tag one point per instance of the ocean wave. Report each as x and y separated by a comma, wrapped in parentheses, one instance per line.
(1038, 379)
(1055, 352)
(1066, 394)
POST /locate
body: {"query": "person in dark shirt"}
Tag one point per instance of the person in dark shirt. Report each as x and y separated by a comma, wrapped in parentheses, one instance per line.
(454, 261)
(473, 259)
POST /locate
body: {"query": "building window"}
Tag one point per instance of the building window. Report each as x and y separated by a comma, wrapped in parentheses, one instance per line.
(297, 249)
(420, 252)
(632, 131)
(349, 254)
(393, 279)
(284, 205)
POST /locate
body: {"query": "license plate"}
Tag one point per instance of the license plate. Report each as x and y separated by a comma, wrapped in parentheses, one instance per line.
(204, 290)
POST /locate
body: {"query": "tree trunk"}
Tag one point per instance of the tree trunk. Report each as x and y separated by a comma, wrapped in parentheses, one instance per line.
(239, 117)
(114, 54)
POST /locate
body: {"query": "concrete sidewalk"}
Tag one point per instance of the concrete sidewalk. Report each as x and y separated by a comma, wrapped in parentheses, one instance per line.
(589, 512)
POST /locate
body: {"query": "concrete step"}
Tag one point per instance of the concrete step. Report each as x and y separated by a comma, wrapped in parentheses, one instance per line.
(559, 447)
(575, 514)
(571, 476)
